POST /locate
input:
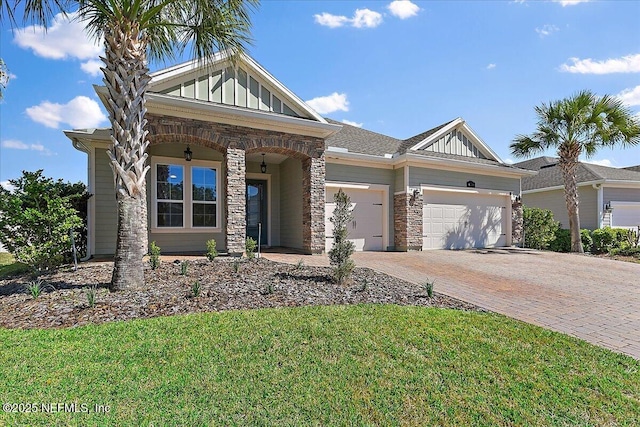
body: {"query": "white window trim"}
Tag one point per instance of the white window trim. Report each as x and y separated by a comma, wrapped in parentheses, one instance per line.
(187, 224)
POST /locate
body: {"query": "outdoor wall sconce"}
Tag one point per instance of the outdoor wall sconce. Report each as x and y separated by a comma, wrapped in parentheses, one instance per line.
(188, 154)
(263, 165)
(471, 184)
(608, 208)
(518, 199)
(414, 194)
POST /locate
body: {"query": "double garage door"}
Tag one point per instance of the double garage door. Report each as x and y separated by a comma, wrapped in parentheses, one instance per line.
(365, 231)
(453, 220)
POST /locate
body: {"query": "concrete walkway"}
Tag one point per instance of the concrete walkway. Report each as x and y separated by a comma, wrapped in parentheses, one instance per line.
(595, 299)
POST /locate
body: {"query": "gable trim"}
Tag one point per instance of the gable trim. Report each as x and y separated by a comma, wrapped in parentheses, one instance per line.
(455, 124)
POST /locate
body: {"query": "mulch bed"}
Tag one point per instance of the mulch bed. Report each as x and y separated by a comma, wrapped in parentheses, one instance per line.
(258, 283)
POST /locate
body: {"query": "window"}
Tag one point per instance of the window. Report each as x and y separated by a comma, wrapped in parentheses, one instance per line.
(185, 195)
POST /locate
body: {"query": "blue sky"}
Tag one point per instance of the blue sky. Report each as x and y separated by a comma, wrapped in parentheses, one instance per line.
(398, 68)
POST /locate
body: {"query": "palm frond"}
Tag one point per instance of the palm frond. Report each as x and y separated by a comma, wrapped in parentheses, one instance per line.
(525, 146)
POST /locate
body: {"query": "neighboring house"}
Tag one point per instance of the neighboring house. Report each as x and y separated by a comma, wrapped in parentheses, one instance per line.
(607, 196)
(264, 164)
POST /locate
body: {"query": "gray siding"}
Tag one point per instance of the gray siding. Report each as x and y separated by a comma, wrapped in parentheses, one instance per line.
(554, 201)
(620, 195)
(106, 209)
(398, 183)
(424, 176)
(291, 203)
(455, 142)
(366, 175)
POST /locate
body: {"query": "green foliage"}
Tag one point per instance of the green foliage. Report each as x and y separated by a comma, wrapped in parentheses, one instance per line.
(154, 255)
(250, 247)
(212, 252)
(196, 287)
(268, 290)
(36, 287)
(607, 239)
(92, 293)
(9, 267)
(539, 227)
(38, 217)
(236, 266)
(184, 265)
(342, 249)
(299, 264)
(562, 241)
(428, 287)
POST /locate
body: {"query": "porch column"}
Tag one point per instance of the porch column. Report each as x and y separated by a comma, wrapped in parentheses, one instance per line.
(407, 221)
(236, 200)
(313, 201)
(517, 223)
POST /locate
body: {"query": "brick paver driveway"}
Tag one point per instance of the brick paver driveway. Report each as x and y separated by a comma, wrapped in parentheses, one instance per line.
(594, 299)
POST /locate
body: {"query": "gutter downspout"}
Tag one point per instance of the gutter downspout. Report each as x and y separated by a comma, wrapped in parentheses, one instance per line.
(81, 147)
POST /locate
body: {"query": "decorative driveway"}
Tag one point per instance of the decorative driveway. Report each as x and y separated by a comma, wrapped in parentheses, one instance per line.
(595, 299)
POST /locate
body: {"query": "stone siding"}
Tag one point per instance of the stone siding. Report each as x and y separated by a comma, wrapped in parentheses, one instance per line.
(313, 208)
(407, 221)
(517, 223)
(235, 200)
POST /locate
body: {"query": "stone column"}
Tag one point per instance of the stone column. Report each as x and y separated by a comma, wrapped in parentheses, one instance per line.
(236, 200)
(517, 223)
(407, 221)
(313, 201)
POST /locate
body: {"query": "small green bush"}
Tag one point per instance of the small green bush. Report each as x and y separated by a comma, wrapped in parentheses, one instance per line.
(212, 252)
(587, 240)
(184, 265)
(250, 247)
(562, 242)
(36, 287)
(154, 255)
(539, 227)
(343, 248)
(195, 289)
(630, 251)
(428, 287)
(92, 292)
(603, 240)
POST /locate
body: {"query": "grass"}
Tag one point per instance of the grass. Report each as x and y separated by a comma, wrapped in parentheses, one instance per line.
(9, 266)
(336, 365)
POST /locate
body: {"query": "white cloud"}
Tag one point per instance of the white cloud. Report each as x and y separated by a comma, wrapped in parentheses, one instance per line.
(349, 122)
(491, 66)
(14, 144)
(80, 112)
(7, 185)
(329, 104)
(509, 161)
(626, 64)
(547, 30)
(92, 66)
(603, 162)
(362, 18)
(65, 38)
(403, 9)
(331, 21)
(366, 18)
(570, 2)
(631, 97)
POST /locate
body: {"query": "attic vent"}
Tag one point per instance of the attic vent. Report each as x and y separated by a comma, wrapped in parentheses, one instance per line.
(548, 166)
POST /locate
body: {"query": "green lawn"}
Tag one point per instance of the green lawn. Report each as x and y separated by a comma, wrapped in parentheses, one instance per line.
(9, 266)
(355, 365)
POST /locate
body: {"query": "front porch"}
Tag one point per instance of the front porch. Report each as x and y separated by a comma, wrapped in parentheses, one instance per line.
(222, 193)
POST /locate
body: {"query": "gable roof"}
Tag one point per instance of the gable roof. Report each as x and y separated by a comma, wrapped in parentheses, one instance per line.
(358, 140)
(550, 175)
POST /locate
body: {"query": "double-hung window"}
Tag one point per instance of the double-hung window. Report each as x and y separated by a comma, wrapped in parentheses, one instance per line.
(185, 195)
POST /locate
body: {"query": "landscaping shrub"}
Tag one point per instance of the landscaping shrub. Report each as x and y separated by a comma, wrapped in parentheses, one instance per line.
(603, 239)
(587, 240)
(539, 227)
(154, 255)
(37, 219)
(562, 242)
(212, 252)
(342, 249)
(250, 247)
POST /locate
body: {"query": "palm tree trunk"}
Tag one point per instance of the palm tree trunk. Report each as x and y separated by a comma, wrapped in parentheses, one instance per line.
(569, 165)
(126, 77)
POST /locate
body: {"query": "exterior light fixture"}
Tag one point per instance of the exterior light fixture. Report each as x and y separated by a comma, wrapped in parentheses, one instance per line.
(188, 154)
(608, 208)
(263, 165)
(471, 184)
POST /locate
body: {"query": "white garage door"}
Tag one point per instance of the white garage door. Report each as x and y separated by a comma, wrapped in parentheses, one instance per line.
(365, 231)
(463, 220)
(625, 214)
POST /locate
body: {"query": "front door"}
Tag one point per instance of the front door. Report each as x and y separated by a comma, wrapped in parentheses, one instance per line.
(257, 210)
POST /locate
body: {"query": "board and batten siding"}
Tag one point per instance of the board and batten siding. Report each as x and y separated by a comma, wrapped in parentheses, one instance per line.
(291, 203)
(366, 175)
(106, 208)
(611, 194)
(554, 201)
(455, 142)
(424, 176)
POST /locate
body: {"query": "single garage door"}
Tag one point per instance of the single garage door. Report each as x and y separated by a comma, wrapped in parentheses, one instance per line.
(625, 214)
(464, 220)
(365, 231)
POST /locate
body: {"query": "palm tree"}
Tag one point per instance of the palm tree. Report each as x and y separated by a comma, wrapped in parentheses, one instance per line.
(579, 124)
(133, 31)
